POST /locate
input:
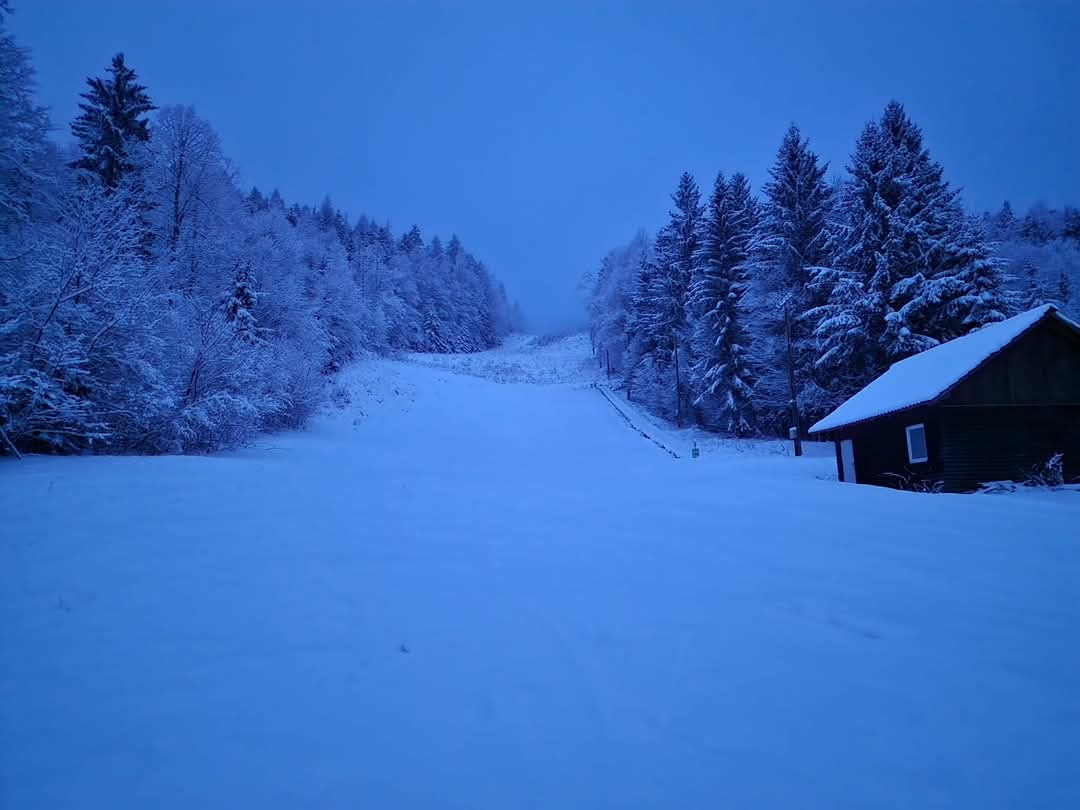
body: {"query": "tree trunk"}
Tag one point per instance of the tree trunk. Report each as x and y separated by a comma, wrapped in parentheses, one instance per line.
(791, 383)
(678, 388)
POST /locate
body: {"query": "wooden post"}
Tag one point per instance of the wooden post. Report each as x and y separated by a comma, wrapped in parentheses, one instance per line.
(608, 353)
(678, 388)
(791, 383)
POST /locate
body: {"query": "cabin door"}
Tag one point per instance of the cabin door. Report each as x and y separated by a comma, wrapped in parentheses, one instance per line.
(847, 461)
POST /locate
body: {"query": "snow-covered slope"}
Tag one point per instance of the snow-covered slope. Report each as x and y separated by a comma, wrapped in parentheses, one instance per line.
(457, 593)
(524, 359)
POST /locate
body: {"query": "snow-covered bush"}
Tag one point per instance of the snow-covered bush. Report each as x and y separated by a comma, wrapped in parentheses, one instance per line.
(1049, 474)
(913, 483)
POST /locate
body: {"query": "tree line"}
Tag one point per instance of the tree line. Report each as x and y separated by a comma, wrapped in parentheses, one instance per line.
(147, 304)
(750, 314)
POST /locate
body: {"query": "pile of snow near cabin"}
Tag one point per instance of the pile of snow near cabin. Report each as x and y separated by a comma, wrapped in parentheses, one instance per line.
(453, 591)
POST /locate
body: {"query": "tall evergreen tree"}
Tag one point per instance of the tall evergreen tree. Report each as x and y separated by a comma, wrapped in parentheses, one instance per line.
(1004, 221)
(1038, 225)
(792, 240)
(721, 375)
(913, 269)
(676, 253)
(411, 241)
(113, 118)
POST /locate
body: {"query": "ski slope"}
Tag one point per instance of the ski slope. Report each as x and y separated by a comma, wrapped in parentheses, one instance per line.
(456, 592)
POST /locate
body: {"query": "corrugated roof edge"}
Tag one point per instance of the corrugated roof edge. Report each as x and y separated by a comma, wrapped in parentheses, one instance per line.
(1051, 311)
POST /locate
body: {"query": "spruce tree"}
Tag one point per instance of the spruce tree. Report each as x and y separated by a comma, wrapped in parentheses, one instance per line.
(411, 241)
(913, 269)
(113, 118)
(1004, 221)
(721, 374)
(967, 292)
(676, 253)
(792, 240)
(1038, 227)
(240, 305)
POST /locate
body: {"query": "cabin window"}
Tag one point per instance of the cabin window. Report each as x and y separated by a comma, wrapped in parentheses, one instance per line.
(916, 444)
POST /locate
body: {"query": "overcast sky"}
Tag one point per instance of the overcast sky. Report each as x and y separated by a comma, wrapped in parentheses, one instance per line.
(546, 133)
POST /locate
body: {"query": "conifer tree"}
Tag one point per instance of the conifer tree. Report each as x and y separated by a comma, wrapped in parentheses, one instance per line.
(792, 241)
(411, 241)
(1037, 226)
(240, 305)
(112, 120)
(676, 253)
(1004, 221)
(913, 270)
(721, 374)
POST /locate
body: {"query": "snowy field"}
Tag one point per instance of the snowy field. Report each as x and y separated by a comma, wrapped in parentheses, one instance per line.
(523, 359)
(453, 592)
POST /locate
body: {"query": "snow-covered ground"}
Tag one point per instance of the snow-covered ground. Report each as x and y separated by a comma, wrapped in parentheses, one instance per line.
(524, 359)
(458, 593)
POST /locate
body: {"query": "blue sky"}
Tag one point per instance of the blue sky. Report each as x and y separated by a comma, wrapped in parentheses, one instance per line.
(546, 133)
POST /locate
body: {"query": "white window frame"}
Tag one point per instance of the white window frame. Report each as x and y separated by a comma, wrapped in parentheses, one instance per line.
(907, 434)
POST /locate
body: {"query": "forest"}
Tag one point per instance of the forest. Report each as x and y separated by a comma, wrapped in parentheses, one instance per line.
(149, 304)
(750, 314)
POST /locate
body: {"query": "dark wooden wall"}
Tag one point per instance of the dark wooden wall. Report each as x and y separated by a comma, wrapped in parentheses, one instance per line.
(1010, 415)
(881, 448)
(1015, 412)
(995, 442)
(1042, 367)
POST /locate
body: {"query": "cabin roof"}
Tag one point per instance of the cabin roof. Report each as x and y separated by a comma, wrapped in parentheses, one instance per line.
(924, 377)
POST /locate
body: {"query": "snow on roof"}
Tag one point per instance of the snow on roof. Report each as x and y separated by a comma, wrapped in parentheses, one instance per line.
(924, 377)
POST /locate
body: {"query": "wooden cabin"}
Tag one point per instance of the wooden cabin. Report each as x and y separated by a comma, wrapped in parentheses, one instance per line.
(989, 406)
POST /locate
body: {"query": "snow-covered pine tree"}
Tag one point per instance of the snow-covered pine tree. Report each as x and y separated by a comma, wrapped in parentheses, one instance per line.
(1004, 222)
(240, 305)
(972, 268)
(113, 118)
(913, 269)
(792, 239)
(721, 375)
(676, 252)
(411, 241)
